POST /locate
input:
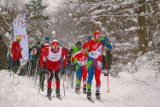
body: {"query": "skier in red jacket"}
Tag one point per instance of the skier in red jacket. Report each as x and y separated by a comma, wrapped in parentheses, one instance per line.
(43, 52)
(54, 62)
(16, 54)
(80, 60)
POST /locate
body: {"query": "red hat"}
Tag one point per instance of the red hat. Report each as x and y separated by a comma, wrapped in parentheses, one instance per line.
(96, 34)
(55, 42)
(85, 45)
(46, 44)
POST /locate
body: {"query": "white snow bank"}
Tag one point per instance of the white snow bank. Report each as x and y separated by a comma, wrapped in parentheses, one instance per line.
(146, 68)
(126, 91)
(126, 76)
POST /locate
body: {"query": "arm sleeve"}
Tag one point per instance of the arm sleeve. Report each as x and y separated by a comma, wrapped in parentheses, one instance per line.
(74, 58)
(106, 43)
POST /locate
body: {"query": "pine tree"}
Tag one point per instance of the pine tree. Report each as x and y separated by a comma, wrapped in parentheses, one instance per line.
(37, 24)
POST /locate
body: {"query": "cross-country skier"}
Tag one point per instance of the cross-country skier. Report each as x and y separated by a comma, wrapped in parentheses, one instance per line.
(43, 52)
(94, 64)
(80, 60)
(74, 49)
(35, 53)
(54, 60)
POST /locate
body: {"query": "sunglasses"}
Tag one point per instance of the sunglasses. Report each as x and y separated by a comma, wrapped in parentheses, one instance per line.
(54, 46)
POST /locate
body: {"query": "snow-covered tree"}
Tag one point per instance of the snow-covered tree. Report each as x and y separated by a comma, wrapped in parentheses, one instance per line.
(37, 20)
(8, 10)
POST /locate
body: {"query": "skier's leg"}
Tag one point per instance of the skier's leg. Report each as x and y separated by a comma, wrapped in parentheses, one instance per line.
(84, 75)
(89, 82)
(42, 78)
(98, 81)
(57, 83)
(16, 65)
(49, 83)
(78, 80)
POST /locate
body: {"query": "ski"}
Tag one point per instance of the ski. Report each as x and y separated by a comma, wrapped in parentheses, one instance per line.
(99, 99)
(59, 98)
(49, 97)
(77, 93)
(91, 100)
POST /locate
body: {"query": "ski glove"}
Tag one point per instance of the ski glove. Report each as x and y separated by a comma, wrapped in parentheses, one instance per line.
(105, 38)
(89, 38)
(42, 70)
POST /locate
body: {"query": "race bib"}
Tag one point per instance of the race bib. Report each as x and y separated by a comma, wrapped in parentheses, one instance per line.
(82, 63)
(55, 57)
(94, 54)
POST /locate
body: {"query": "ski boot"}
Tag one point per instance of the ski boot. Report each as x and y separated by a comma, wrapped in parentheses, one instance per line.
(49, 93)
(42, 87)
(89, 95)
(98, 95)
(77, 90)
(58, 95)
(84, 90)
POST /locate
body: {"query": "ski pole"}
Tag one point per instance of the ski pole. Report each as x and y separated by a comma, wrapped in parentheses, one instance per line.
(108, 84)
(63, 86)
(69, 79)
(29, 67)
(36, 72)
(107, 78)
(72, 79)
(61, 66)
(54, 87)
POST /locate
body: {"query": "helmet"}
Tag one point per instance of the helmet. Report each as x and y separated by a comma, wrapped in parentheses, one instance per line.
(97, 34)
(47, 38)
(55, 44)
(85, 45)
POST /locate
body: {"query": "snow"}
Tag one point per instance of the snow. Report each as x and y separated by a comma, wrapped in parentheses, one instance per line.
(125, 2)
(123, 46)
(126, 91)
(133, 28)
(97, 11)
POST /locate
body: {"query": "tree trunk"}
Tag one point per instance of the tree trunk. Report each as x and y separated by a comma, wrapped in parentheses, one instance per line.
(143, 42)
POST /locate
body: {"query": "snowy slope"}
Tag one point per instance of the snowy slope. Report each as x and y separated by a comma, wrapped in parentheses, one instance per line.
(126, 91)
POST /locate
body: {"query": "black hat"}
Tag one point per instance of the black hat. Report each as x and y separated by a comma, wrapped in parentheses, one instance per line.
(78, 43)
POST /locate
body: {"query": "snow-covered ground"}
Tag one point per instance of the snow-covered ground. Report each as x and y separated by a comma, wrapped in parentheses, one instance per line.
(141, 88)
(126, 91)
